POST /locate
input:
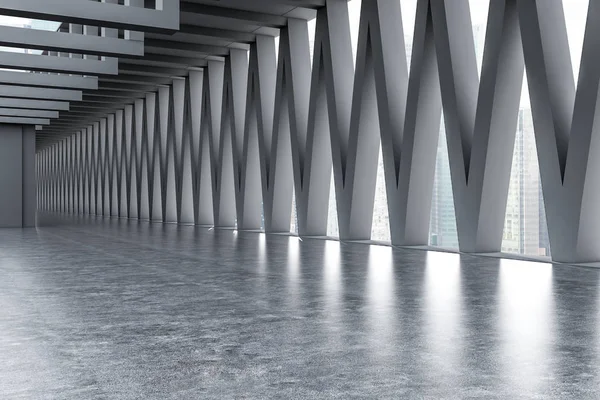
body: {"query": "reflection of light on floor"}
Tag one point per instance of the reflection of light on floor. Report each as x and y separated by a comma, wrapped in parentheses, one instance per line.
(444, 330)
(380, 299)
(332, 290)
(332, 265)
(262, 247)
(261, 261)
(293, 258)
(380, 278)
(293, 273)
(442, 282)
(526, 323)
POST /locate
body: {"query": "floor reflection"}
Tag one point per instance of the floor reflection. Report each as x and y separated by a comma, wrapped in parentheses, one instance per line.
(526, 325)
(332, 307)
(294, 278)
(443, 324)
(138, 310)
(381, 311)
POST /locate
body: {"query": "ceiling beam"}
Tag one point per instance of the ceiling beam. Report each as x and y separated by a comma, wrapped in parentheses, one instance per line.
(48, 80)
(97, 14)
(90, 98)
(167, 60)
(252, 17)
(67, 42)
(34, 104)
(234, 36)
(29, 92)
(36, 62)
(152, 70)
(19, 112)
(298, 3)
(113, 94)
(99, 106)
(132, 78)
(158, 44)
(128, 87)
(24, 121)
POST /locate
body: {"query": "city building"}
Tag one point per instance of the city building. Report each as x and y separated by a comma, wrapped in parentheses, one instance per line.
(442, 229)
(525, 213)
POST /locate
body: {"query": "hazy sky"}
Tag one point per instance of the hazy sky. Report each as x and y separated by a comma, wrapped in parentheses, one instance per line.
(13, 21)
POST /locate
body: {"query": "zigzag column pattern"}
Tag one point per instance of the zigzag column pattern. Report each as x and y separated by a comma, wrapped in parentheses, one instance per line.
(227, 145)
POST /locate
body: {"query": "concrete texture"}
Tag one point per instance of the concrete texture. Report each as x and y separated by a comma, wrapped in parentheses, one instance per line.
(117, 309)
(17, 176)
(11, 176)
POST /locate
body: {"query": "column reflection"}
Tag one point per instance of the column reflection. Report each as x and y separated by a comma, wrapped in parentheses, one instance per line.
(293, 278)
(443, 323)
(526, 325)
(332, 288)
(262, 254)
(381, 307)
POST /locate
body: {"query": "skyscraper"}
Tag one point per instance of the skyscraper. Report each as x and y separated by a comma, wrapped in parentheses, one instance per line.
(525, 215)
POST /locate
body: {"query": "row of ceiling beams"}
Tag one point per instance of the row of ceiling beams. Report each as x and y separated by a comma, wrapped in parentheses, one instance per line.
(106, 55)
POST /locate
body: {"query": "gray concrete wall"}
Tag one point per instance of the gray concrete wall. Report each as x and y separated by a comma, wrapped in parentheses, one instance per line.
(17, 176)
(29, 177)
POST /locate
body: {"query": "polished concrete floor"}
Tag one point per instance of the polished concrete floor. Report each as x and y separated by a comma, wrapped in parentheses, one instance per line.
(116, 309)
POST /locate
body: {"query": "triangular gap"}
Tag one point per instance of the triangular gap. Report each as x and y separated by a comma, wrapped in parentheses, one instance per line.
(408, 9)
(277, 40)
(312, 30)
(354, 7)
(294, 216)
(576, 12)
(332, 215)
(380, 229)
(525, 229)
(479, 16)
(442, 228)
